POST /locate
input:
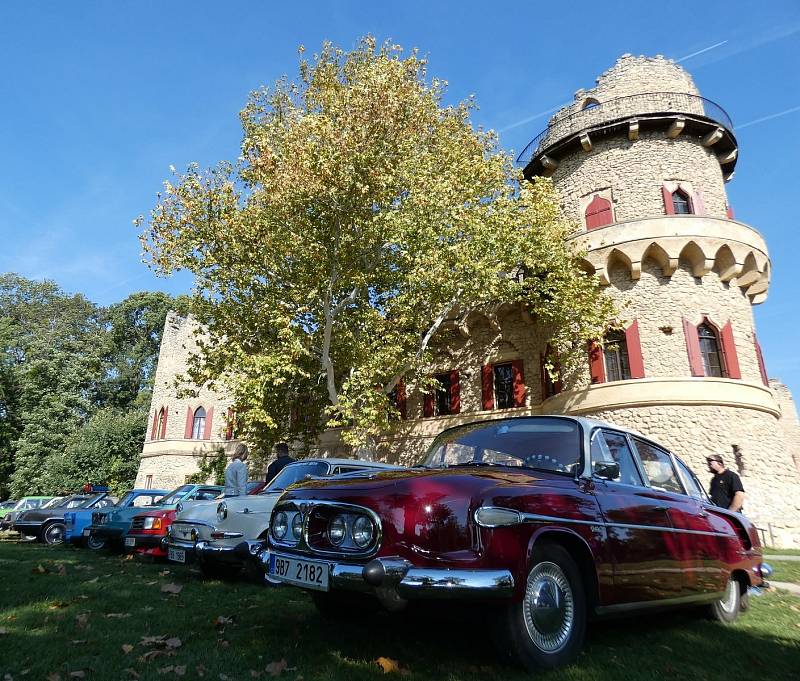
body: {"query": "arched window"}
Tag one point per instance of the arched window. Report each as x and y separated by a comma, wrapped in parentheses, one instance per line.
(615, 353)
(598, 213)
(709, 350)
(161, 429)
(681, 205)
(198, 423)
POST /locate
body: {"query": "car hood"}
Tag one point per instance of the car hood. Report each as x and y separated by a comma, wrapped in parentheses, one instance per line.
(206, 511)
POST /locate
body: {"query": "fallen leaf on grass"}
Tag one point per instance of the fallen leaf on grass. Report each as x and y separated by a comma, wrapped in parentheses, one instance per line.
(171, 588)
(163, 573)
(390, 666)
(118, 615)
(58, 605)
(3, 631)
(221, 621)
(40, 569)
(173, 643)
(152, 640)
(82, 620)
(132, 672)
(255, 674)
(62, 569)
(93, 581)
(276, 668)
(152, 654)
(200, 669)
(80, 674)
(127, 648)
(54, 676)
(78, 643)
(165, 670)
(180, 669)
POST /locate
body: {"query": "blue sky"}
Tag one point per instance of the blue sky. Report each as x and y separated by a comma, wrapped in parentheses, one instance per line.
(99, 98)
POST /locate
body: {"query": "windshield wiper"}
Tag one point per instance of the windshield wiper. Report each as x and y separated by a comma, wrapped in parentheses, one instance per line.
(475, 463)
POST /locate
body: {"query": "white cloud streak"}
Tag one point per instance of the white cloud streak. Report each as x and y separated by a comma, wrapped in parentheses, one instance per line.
(705, 49)
(769, 117)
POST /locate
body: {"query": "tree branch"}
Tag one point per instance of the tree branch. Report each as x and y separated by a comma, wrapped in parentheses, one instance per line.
(434, 327)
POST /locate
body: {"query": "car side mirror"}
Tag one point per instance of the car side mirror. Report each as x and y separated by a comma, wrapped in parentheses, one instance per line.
(606, 470)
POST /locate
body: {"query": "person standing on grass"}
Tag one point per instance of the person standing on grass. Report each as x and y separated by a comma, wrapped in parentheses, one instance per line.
(282, 450)
(236, 473)
(726, 488)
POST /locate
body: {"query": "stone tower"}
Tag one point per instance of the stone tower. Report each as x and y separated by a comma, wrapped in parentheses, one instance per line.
(640, 162)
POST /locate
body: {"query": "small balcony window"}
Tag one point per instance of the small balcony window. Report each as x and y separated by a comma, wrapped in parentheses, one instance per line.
(681, 205)
(198, 423)
(710, 351)
(615, 352)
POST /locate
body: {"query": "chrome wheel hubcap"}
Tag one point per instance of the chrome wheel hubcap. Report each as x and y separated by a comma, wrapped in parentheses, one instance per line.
(55, 534)
(548, 607)
(728, 602)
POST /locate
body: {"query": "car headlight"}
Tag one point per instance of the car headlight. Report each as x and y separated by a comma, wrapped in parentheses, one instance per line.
(297, 526)
(222, 511)
(337, 528)
(280, 525)
(152, 524)
(363, 531)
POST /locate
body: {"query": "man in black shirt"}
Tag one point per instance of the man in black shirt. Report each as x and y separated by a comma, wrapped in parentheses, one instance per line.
(282, 450)
(726, 486)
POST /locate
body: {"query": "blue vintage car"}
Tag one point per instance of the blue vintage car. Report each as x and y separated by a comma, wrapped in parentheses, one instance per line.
(77, 521)
(109, 526)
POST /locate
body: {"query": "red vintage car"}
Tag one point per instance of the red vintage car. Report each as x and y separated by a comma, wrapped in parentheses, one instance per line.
(544, 521)
(148, 531)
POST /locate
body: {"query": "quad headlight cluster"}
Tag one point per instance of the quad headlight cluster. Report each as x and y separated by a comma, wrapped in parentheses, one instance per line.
(345, 530)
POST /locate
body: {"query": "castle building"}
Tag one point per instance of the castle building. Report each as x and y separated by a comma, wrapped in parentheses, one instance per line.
(640, 161)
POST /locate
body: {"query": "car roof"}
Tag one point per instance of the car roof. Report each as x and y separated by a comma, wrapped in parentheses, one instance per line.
(148, 491)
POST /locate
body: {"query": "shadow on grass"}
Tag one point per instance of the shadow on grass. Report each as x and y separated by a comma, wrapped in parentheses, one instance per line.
(439, 640)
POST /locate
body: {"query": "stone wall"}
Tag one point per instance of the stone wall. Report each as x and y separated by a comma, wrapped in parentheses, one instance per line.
(635, 172)
(660, 304)
(790, 424)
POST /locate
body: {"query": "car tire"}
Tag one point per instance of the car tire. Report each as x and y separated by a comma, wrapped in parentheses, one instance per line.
(547, 627)
(727, 608)
(95, 543)
(53, 533)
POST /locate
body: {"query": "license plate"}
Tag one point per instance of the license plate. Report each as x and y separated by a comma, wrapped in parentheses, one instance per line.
(87, 532)
(307, 573)
(130, 541)
(178, 555)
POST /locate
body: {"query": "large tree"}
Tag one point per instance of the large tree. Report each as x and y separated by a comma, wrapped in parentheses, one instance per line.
(362, 215)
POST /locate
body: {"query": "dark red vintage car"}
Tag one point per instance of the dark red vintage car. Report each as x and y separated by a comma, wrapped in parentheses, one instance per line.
(546, 521)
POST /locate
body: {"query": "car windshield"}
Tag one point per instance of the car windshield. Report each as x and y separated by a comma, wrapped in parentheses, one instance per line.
(175, 495)
(295, 472)
(55, 501)
(541, 443)
(126, 499)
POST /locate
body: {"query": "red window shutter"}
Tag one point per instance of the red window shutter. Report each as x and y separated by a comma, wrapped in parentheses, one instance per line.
(487, 387)
(597, 370)
(693, 348)
(187, 433)
(427, 406)
(667, 194)
(455, 393)
(155, 426)
(634, 343)
(163, 433)
(729, 213)
(698, 203)
(229, 427)
(761, 366)
(518, 375)
(598, 213)
(729, 351)
(209, 421)
(401, 398)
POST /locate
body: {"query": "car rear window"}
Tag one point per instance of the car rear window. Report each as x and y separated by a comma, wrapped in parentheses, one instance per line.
(296, 472)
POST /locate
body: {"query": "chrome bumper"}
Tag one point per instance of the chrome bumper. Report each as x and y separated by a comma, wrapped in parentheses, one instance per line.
(206, 551)
(398, 577)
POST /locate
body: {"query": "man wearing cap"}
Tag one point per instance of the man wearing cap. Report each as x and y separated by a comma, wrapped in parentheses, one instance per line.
(726, 487)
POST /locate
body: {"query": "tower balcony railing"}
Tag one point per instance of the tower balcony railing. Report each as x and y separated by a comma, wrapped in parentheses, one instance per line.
(566, 124)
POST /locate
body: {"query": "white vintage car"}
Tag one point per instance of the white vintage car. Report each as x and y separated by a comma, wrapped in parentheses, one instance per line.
(224, 535)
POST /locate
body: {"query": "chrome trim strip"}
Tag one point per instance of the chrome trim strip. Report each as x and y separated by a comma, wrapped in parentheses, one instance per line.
(538, 518)
(202, 523)
(664, 602)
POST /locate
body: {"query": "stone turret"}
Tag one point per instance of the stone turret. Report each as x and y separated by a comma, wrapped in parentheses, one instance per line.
(640, 162)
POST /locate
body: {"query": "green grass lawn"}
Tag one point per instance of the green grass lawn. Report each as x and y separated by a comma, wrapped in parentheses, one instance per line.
(65, 610)
(786, 571)
(781, 552)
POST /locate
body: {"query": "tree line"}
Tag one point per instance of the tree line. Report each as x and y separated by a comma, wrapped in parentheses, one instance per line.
(75, 385)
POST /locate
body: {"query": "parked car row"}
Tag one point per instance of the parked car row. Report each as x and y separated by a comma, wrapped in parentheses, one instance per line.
(539, 522)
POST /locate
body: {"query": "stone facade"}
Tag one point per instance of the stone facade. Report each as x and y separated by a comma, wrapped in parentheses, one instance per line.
(667, 273)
